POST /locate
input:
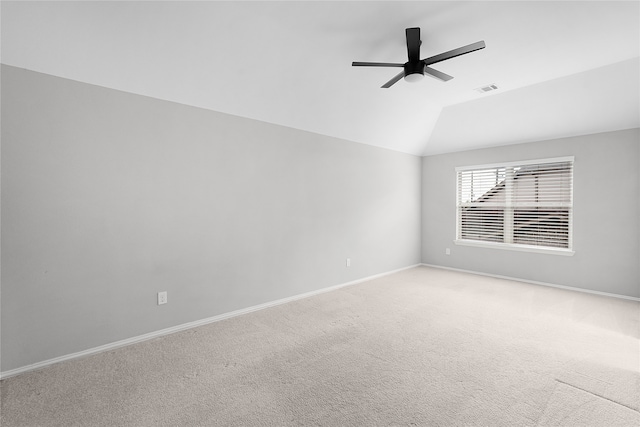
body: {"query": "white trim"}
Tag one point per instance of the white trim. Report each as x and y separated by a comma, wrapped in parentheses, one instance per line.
(515, 247)
(533, 282)
(189, 325)
(521, 163)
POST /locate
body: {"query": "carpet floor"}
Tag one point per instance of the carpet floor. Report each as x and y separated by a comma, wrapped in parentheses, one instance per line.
(422, 347)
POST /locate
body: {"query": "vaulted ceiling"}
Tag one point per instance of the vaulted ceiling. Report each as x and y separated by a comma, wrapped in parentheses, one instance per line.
(562, 68)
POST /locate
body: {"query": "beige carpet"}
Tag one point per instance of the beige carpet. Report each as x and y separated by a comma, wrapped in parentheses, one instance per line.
(423, 347)
(571, 406)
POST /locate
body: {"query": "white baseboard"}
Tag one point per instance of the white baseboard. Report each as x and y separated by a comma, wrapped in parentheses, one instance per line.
(189, 325)
(533, 282)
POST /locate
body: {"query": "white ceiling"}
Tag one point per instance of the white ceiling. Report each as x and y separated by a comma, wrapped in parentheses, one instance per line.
(562, 67)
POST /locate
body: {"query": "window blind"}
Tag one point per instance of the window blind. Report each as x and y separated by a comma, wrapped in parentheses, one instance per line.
(528, 203)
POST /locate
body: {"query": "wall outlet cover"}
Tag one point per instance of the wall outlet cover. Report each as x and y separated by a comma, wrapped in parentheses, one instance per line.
(162, 298)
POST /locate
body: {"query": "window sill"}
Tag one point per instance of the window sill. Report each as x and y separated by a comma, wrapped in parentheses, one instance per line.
(514, 247)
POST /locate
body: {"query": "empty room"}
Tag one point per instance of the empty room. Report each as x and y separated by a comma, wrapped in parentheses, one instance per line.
(320, 213)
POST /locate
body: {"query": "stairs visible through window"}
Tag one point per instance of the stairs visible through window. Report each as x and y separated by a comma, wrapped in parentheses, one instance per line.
(523, 204)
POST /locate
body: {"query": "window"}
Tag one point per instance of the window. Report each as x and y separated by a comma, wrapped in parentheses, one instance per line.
(522, 206)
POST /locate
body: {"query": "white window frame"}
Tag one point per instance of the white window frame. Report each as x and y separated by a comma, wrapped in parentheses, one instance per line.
(515, 246)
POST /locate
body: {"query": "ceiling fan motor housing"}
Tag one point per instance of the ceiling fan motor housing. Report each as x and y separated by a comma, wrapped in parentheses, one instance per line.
(414, 70)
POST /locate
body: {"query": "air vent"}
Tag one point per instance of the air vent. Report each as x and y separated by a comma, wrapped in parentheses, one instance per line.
(487, 88)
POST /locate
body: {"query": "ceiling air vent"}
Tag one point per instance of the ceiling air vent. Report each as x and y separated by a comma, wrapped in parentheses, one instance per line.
(489, 88)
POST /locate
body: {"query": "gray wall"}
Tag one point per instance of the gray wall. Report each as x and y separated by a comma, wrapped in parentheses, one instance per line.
(606, 230)
(109, 197)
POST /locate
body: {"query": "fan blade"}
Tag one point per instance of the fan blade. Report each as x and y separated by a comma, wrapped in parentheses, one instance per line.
(455, 52)
(413, 44)
(393, 81)
(437, 74)
(376, 64)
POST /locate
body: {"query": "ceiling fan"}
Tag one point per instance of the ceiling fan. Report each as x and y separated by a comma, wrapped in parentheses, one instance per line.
(416, 68)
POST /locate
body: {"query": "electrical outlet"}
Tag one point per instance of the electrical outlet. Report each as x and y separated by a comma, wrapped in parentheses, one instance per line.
(162, 298)
(348, 262)
(447, 251)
